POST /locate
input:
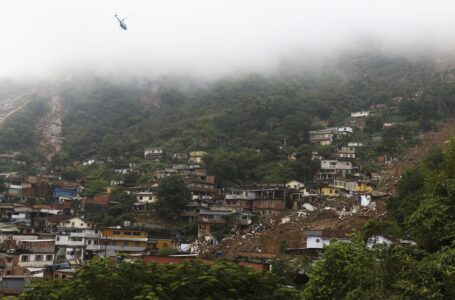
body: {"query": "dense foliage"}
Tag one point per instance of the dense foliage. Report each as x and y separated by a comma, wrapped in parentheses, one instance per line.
(173, 195)
(424, 206)
(18, 132)
(352, 271)
(250, 124)
(103, 279)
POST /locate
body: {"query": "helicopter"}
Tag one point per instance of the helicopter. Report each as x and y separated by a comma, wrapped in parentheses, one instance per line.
(122, 22)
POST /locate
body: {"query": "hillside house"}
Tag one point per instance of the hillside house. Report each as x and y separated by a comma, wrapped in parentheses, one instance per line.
(35, 253)
(323, 137)
(360, 114)
(330, 191)
(146, 197)
(197, 157)
(78, 244)
(268, 200)
(153, 153)
(239, 200)
(345, 131)
(74, 223)
(355, 144)
(70, 193)
(318, 239)
(114, 240)
(346, 152)
(294, 185)
(330, 169)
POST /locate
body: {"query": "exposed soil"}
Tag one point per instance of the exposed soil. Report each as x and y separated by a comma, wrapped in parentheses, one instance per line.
(49, 129)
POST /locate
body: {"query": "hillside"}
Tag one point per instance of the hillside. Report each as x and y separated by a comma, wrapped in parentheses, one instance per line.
(248, 124)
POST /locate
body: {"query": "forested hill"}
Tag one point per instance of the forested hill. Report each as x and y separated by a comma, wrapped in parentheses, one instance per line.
(253, 115)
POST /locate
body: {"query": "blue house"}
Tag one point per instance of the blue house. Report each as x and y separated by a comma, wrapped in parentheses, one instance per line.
(62, 192)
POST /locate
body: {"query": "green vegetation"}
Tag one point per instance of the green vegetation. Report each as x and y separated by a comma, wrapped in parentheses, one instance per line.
(18, 132)
(351, 271)
(119, 210)
(173, 195)
(249, 125)
(104, 279)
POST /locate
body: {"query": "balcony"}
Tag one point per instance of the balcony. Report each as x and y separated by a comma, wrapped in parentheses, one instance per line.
(93, 247)
(35, 264)
(122, 248)
(86, 234)
(211, 221)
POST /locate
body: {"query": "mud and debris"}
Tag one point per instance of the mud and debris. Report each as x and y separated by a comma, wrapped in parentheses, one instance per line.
(49, 129)
(272, 234)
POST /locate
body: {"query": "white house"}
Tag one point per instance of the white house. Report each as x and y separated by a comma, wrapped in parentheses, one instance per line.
(153, 153)
(346, 152)
(360, 114)
(345, 130)
(146, 197)
(75, 222)
(318, 239)
(75, 245)
(295, 185)
(330, 164)
(355, 144)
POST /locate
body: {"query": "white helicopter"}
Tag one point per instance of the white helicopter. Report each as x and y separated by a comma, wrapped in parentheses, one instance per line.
(122, 22)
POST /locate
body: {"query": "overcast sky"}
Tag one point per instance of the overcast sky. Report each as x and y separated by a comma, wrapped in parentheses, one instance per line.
(205, 37)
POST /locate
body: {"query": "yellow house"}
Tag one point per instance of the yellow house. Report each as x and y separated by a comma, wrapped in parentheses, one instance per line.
(330, 191)
(364, 187)
(161, 243)
(123, 239)
(109, 189)
(197, 156)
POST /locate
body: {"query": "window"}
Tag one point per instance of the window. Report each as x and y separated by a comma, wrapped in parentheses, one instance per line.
(137, 244)
(113, 243)
(136, 233)
(116, 232)
(89, 242)
(49, 257)
(72, 223)
(58, 238)
(9, 259)
(127, 233)
(82, 224)
(38, 257)
(24, 258)
(95, 242)
(125, 243)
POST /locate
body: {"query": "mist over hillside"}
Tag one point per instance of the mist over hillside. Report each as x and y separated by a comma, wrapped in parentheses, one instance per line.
(262, 115)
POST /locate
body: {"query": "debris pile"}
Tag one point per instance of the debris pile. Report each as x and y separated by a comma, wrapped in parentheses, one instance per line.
(272, 233)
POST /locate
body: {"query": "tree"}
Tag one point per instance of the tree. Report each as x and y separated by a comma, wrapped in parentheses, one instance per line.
(95, 187)
(345, 271)
(173, 196)
(105, 279)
